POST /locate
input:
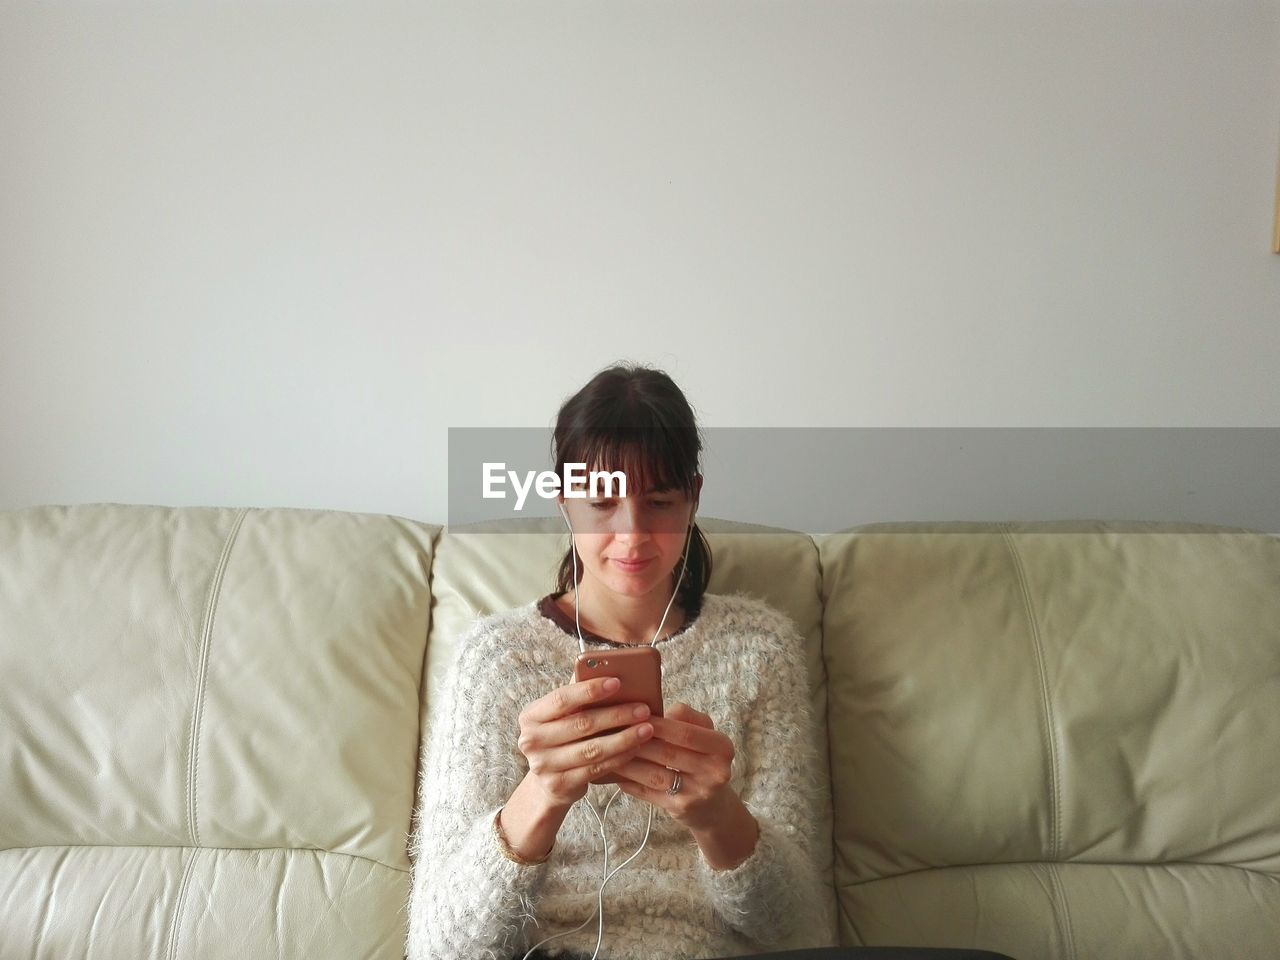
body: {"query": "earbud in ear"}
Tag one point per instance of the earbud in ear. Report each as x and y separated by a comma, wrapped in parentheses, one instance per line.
(565, 517)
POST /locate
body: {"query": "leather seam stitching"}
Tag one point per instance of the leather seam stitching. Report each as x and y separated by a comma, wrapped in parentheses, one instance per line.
(1274, 878)
(1055, 843)
(857, 934)
(175, 925)
(197, 710)
(826, 694)
(170, 846)
(1060, 894)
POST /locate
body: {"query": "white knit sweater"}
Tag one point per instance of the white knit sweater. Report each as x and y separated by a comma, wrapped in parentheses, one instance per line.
(741, 662)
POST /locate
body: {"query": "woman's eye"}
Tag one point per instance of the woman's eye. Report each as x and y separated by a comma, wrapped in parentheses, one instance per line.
(608, 504)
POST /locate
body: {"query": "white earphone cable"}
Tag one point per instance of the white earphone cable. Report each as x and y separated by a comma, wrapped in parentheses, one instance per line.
(582, 647)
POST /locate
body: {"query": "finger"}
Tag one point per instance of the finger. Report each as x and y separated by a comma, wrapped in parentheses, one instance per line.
(653, 776)
(564, 700)
(682, 711)
(593, 751)
(677, 711)
(691, 737)
(669, 755)
(633, 789)
(589, 722)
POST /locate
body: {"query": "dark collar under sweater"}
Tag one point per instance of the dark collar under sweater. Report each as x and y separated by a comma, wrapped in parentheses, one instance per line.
(548, 607)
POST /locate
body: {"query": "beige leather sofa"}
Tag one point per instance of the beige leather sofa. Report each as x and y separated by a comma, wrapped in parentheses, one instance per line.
(1049, 740)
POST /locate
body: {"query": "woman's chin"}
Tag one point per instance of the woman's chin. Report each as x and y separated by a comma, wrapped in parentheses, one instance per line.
(636, 585)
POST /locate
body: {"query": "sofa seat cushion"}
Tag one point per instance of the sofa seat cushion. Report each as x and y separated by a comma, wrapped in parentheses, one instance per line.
(207, 902)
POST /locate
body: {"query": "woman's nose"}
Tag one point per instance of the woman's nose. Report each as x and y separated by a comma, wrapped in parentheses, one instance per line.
(630, 521)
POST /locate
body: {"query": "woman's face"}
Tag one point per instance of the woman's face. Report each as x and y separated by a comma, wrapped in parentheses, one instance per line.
(649, 528)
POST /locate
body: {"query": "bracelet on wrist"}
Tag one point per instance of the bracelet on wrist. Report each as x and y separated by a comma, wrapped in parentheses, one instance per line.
(510, 852)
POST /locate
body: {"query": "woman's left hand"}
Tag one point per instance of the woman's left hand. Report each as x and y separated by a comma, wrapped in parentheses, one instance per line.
(687, 740)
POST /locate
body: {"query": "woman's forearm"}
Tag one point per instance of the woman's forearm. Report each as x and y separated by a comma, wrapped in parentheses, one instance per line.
(732, 838)
(530, 822)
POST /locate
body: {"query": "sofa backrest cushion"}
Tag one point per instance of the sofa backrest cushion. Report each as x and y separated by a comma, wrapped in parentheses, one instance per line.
(1056, 740)
(208, 729)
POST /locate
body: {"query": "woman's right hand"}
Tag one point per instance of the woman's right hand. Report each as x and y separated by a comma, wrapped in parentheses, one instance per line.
(558, 736)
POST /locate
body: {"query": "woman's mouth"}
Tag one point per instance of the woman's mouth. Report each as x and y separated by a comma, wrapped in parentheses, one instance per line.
(633, 566)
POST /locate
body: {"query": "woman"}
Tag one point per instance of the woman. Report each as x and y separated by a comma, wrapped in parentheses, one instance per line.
(721, 791)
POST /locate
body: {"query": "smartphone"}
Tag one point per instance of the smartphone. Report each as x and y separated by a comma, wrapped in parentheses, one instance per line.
(639, 669)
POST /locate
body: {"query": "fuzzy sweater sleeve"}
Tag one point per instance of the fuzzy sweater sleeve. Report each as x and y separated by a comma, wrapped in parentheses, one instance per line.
(466, 898)
(776, 894)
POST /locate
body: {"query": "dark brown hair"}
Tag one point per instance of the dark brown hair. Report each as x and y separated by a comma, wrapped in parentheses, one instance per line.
(634, 418)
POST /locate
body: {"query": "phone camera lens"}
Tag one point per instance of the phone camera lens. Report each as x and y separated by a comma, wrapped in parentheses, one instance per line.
(593, 663)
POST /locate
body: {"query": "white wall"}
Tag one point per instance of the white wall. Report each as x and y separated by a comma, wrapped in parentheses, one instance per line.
(267, 253)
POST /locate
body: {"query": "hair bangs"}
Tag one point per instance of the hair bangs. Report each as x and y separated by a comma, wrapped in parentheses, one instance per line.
(647, 457)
